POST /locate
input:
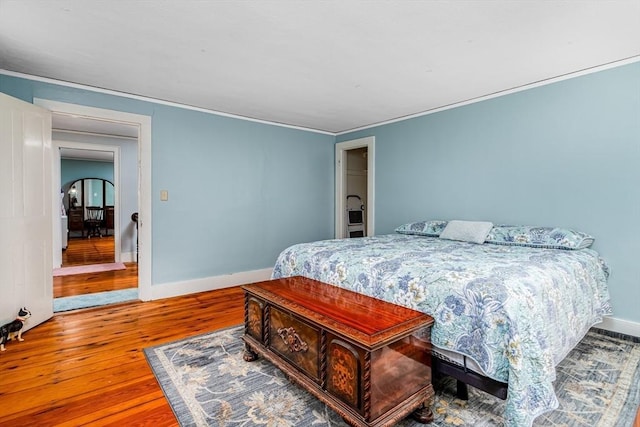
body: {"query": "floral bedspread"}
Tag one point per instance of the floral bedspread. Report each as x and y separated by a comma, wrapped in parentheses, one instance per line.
(517, 311)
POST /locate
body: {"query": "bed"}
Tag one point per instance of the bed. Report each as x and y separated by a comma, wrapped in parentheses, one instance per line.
(509, 309)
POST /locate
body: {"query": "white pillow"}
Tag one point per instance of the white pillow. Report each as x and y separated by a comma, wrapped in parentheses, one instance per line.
(467, 231)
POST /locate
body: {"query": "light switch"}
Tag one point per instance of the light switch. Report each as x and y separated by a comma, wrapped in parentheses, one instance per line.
(164, 195)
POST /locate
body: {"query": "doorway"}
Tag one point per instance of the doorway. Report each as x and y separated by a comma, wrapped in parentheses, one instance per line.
(94, 269)
(90, 198)
(354, 195)
(141, 251)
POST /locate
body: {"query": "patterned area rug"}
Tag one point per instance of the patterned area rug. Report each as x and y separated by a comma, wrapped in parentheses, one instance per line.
(91, 268)
(207, 383)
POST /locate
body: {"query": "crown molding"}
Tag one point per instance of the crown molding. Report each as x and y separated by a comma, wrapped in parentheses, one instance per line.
(156, 101)
(527, 86)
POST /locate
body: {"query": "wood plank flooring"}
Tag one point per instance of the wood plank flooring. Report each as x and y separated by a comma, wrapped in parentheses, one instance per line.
(87, 367)
(97, 250)
(80, 284)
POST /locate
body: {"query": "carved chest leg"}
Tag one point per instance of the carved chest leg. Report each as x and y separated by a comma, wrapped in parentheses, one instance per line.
(249, 355)
(424, 414)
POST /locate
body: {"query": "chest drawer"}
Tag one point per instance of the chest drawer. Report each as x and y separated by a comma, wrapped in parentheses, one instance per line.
(75, 219)
(295, 341)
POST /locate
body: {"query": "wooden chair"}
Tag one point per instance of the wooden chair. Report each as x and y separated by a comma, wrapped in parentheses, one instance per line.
(93, 222)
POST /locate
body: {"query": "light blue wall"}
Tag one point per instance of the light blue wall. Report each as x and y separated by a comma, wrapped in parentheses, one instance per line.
(565, 154)
(73, 170)
(239, 191)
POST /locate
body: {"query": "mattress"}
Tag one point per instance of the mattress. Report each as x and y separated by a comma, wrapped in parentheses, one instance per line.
(514, 311)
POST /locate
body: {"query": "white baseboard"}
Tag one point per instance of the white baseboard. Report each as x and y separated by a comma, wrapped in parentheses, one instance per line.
(127, 257)
(174, 289)
(619, 325)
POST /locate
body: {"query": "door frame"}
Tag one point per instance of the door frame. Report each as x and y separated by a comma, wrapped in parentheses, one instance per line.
(368, 142)
(144, 178)
(57, 183)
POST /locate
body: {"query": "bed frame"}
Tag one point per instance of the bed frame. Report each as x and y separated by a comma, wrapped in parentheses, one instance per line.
(464, 377)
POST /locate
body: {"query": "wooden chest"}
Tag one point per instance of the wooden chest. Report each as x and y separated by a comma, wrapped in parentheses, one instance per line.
(369, 360)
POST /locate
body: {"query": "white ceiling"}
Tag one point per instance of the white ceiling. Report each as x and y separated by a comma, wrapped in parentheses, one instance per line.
(329, 65)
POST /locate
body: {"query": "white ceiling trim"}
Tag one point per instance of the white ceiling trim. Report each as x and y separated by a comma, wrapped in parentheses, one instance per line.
(545, 82)
(153, 100)
(567, 76)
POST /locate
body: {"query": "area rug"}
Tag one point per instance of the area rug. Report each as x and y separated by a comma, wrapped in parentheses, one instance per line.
(92, 268)
(207, 383)
(94, 300)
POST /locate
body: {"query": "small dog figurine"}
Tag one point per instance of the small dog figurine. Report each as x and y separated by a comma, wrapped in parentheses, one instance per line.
(14, 329)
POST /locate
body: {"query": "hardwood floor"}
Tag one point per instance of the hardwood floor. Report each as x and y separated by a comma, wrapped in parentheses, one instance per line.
(82, 251)
(80, 284)
(97, 250)
(87, 367)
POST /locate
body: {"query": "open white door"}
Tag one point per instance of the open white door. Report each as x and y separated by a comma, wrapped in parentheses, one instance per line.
(25, 211)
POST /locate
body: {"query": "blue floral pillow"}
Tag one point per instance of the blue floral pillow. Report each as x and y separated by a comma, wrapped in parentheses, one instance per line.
(423, 228)
(539, 237)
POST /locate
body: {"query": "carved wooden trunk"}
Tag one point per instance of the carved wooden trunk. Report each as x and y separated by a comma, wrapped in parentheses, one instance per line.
(367, 359)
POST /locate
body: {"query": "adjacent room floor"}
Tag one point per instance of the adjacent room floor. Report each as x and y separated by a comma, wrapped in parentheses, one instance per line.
(95, 288)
